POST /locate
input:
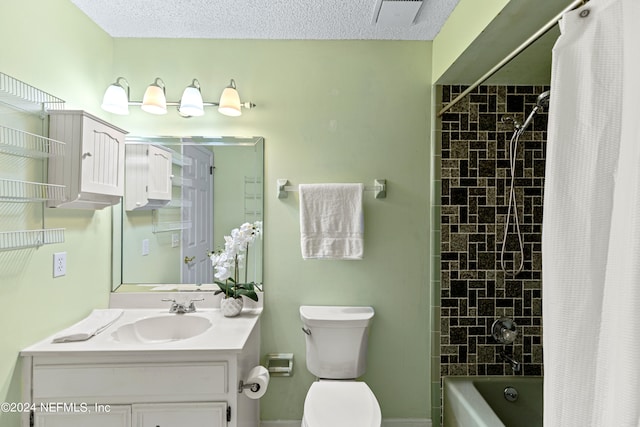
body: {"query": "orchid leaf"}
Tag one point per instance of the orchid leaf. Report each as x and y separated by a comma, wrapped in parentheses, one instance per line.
(248, 293)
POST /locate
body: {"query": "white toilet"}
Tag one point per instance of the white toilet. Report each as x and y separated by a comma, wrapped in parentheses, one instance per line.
(336, 339)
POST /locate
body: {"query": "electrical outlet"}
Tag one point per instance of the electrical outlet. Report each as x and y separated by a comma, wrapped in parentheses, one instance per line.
(59, 264)
(145, 247)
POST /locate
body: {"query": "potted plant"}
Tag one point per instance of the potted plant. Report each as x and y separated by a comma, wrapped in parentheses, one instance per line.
(229, 261)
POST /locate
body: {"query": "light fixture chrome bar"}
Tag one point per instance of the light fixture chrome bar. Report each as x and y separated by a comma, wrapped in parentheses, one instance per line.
(542, 31)
(247, 105)
(116, 99)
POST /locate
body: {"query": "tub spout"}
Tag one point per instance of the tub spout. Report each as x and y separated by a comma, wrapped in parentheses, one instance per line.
(515, 365)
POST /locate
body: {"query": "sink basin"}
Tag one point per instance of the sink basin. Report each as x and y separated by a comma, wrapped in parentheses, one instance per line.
(162, 329)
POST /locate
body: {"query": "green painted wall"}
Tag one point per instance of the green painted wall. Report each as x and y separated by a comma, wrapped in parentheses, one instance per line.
(466, 22)
(341, 111)
(70, 58)
(330, 111)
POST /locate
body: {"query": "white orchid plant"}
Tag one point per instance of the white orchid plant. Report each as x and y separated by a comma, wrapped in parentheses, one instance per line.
(227, 262)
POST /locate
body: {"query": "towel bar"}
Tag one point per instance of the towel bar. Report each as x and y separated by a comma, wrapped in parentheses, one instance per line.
(379, 187)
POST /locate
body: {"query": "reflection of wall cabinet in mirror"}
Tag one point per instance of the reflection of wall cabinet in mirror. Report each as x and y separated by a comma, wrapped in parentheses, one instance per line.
(24, 152)
(93, 167)
(147, 177)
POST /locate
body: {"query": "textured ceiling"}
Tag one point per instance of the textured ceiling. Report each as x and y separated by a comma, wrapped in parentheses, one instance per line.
(260, 19)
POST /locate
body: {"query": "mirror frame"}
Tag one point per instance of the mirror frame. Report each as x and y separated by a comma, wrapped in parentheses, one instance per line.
(118, 211)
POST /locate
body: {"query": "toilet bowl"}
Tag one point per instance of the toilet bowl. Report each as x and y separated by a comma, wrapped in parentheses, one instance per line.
(341, 404)
(336, 341)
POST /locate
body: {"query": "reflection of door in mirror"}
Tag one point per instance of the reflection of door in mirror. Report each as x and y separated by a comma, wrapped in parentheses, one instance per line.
(197, 211)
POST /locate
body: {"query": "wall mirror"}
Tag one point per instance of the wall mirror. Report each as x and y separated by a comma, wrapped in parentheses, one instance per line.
(182, 196)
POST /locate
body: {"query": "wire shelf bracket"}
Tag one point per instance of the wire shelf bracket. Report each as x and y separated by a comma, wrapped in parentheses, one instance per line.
(23, 96)
(11, 240)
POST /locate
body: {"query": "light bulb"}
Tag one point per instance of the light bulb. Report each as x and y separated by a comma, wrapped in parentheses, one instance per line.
(115, 99)
(230, 101)
(154, 100)
(191, 103)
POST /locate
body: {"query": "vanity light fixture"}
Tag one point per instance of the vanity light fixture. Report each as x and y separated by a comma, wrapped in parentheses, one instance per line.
(191, 103)
(155, 100)
(117, 99)
(230, 101)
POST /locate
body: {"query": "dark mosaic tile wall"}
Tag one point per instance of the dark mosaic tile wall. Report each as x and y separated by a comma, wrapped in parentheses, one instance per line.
(475, 188)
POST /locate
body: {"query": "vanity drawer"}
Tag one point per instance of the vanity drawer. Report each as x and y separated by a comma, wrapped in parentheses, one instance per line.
(130, 382)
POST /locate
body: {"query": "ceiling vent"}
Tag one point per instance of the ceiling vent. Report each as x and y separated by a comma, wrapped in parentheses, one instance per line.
(397, 12)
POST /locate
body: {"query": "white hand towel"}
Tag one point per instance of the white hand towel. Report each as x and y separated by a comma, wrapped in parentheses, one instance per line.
(96, 322)
(331, 221)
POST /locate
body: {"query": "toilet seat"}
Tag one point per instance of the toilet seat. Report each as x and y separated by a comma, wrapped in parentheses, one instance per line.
(341, 404)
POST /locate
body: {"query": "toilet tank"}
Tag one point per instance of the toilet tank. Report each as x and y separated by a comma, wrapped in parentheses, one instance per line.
(336, 339)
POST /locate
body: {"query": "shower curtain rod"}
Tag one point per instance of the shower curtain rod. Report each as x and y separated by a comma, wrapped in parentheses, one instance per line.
(516, 52)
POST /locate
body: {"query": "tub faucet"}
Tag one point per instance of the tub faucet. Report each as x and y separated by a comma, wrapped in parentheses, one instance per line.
(515, 365)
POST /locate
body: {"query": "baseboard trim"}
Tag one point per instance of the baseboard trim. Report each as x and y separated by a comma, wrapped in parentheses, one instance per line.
(280, 423)
(406, 422)
(389, 422)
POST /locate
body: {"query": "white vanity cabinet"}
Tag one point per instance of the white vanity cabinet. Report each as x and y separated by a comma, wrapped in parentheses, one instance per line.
(105, 383)
(54, 415)
(212, 414)
(93, 166)
(148, 177)
(180, 414)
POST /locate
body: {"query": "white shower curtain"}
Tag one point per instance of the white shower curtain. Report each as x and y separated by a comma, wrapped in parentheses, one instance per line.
(591, 227)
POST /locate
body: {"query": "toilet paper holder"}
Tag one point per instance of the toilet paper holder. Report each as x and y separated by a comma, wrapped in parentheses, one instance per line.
(254, 387)
(279, 364)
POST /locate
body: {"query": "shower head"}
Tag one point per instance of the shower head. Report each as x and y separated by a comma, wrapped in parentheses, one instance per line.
(541, 103)
(543, 100)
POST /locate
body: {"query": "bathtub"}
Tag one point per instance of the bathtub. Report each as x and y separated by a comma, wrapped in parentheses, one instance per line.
(481, 402)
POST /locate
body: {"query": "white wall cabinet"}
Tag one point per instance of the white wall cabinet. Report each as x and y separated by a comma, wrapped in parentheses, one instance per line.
(93, 165)
(148, 177)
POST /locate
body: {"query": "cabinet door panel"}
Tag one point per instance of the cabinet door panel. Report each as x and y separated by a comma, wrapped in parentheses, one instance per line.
(159, 173)
(212, 414)
(117, 416)
(102, 159)
(129, 382)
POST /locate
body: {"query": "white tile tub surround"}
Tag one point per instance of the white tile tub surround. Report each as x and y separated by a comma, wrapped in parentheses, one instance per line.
(389, 422)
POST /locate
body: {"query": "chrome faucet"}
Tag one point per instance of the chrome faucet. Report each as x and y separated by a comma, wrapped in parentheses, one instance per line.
(515, 365)
(182, 307)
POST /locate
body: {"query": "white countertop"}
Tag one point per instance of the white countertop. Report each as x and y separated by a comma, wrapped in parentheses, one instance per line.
(226, 335)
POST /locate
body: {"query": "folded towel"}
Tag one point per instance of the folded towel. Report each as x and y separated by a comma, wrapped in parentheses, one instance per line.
(331, 221)
(96, 322)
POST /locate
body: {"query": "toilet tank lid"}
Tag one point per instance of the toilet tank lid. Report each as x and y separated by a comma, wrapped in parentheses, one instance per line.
(336, 316)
